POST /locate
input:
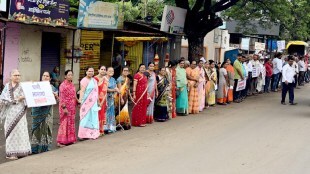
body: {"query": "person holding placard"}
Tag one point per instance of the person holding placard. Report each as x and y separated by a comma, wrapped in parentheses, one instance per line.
(89, 120)
(238, 76)
(255, 74)
(13, 109)
(42, 123)
(67, 110)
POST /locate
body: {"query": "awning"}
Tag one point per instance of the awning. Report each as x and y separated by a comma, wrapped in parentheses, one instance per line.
(141, 39)
(296, 43)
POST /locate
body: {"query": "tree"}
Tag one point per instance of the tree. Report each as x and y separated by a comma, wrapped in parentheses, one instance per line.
(202, 17)
(289, 14)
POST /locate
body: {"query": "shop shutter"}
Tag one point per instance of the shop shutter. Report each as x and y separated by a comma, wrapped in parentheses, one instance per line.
(50, 52)
(90, 43)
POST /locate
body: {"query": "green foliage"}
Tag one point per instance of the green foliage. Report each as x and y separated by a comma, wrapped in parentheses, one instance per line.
(131, 12)
(151, 8)
(291, 15)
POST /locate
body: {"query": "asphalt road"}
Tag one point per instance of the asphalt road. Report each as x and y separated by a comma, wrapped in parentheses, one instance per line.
(258, 136)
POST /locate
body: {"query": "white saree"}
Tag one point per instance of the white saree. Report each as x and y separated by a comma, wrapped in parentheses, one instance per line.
(15, 124)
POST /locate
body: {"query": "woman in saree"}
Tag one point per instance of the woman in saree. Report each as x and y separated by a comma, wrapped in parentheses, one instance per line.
(201, 85)
(139, 95)
(182, 96)
(123, 83)
(171, 76)
(89, 120)
(162, 100)
(67, 110)
(211, 84)
(223, 85)
(231, 76)
(192, 74)
(13, 109)
(102, 94)
(151, 92)
(42, 123)
(112, 89)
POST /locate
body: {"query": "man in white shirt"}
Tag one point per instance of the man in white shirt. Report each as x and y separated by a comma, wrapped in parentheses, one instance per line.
(255, 74)
(302, 70)
(288, 73)
(277, 69)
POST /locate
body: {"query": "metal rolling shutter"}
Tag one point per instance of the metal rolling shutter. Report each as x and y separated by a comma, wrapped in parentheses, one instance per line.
(50, 52)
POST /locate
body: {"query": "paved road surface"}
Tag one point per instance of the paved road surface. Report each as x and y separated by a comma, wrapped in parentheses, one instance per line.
(258, 136)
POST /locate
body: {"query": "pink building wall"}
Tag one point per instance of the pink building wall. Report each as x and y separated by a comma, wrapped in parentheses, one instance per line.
(11, 49)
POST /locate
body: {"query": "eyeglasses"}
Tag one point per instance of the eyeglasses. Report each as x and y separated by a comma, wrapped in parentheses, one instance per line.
(16, 75)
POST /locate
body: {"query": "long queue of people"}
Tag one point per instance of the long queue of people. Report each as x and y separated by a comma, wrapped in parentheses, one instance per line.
(181, 88)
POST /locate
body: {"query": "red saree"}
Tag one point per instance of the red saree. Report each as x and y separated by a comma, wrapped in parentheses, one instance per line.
(140, 107)
(173, 92)
(66, 132)
(102, 94)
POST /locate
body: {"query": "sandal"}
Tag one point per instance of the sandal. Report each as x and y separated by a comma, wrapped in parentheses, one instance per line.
(12, 157)
(61, 145)
(142, 125)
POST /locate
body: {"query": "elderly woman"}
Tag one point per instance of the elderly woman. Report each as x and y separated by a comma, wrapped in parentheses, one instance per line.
(13, 109)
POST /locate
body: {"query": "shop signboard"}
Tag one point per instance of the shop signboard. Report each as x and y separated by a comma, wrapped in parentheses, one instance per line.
(173, 19)
(97, 14)
(48, 12)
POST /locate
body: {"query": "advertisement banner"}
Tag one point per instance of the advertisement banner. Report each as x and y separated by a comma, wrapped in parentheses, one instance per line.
(3, 5)
(173, 19)
(38, 94)
(97, 14)
(48, 12)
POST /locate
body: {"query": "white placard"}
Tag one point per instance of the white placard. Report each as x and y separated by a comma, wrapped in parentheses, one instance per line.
(281, 45)
(260, 46)
(241, 85)
(255, 72)
(38, 94)
(3, 5)
(245, 43)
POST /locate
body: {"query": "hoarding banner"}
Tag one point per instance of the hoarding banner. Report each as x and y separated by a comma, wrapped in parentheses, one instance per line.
(48, 12)
(97, 14)
(173, 19)
(38, 94)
